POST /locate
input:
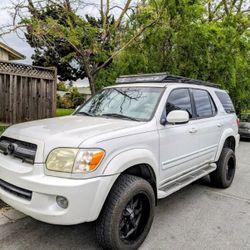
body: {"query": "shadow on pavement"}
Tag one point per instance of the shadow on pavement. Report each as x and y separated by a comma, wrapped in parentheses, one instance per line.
(30, 234)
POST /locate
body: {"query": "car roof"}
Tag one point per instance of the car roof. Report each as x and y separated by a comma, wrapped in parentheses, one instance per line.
(163, 85)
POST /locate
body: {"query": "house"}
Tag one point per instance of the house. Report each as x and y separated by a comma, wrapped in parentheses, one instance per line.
(9, 54)
(81, 84)
(61, 93)
(85, 91)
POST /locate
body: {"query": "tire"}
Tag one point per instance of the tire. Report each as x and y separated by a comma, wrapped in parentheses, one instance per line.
(127, 215)
(223, 176)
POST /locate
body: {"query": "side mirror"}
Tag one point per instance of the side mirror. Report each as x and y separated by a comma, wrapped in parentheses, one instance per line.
(178, 117)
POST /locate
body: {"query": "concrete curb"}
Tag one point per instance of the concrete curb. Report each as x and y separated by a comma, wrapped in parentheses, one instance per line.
(9, 215)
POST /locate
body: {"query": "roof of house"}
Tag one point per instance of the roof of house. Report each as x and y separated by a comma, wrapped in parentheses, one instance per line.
(61, 93)
(84, 90)
(13, 54)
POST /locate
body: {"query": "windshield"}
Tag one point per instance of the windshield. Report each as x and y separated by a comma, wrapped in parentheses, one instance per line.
(133, 103)
(245, 118)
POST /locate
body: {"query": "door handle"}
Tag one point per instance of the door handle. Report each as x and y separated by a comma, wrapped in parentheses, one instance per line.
(193, 130)
(219, 125)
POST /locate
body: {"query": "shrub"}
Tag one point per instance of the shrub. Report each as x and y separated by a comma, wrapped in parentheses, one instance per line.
(71, 99)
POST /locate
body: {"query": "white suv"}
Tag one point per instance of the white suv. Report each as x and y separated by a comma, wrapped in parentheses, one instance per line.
(110, 161)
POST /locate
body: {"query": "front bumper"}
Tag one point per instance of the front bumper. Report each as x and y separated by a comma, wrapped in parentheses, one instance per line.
(85, 196)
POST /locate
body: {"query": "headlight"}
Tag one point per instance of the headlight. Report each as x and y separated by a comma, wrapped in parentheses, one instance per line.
(69, 160)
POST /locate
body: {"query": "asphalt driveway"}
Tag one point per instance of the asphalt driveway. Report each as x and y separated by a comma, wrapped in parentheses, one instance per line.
(197, 217)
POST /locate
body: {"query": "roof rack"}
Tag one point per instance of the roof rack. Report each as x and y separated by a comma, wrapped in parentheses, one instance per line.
(162, 78)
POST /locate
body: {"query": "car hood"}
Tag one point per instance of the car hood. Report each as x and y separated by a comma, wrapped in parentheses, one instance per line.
(68, 131)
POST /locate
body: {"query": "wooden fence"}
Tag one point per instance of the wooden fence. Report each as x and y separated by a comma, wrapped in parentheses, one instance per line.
(26, 92)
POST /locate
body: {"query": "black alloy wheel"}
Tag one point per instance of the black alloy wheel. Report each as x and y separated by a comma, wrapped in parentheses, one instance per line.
(127, 215)
(223, 176)
(134, 218)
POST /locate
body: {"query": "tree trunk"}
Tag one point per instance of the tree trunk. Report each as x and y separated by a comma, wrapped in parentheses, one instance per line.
(92, 84)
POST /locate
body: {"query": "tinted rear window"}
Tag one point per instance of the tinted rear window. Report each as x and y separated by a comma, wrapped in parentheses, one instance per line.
(225, 101)
(203, 103)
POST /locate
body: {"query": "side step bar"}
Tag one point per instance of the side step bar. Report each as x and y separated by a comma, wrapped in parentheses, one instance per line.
(184, 180)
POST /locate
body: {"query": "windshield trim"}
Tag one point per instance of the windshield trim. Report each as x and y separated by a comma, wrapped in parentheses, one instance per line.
(110, 87)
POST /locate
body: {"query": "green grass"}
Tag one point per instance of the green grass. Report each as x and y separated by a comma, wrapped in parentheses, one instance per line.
(64, 112)
(2, 129)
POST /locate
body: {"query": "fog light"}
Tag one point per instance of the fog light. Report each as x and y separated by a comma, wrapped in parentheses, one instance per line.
(62, 202)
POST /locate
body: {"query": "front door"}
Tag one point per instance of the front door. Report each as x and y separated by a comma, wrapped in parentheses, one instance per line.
(179, 143)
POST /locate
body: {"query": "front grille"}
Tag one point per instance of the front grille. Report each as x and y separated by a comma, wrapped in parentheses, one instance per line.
(17, 191)
(23, 150)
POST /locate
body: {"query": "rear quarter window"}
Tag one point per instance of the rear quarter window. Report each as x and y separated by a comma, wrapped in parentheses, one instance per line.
(225, 101)
(203, 103)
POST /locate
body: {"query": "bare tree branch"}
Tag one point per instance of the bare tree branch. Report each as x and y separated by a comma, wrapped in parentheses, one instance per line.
(225, 6)
(232, 5)
(10, 29)
(141, 31)
(102, 10)
(239, 6)
(125, 9)
(105, 19)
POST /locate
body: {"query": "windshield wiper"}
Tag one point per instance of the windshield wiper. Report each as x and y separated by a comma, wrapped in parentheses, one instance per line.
(84, 113)
(120, 116)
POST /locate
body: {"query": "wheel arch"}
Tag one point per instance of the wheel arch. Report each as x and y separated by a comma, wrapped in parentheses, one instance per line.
(228, 140)
(130, 158)
(146, 172)
(138, 162)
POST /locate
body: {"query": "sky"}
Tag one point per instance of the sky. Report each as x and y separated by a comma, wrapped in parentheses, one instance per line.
(13, 40)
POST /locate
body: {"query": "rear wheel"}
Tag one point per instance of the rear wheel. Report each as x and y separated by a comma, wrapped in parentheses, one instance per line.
(223, 176)
(127, 215)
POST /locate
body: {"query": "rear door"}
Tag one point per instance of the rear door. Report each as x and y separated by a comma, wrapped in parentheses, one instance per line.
(208, 125)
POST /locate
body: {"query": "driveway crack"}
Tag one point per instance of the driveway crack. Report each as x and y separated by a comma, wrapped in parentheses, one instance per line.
(231, 196)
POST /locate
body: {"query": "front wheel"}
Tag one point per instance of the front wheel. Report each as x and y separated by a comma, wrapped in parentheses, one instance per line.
(128, 213)
(223, 176)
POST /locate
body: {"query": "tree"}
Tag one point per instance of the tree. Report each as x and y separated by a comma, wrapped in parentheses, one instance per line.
(53, 50)
(191, 41)
(71, 100)
(61, 86)
(80, 45)
(202, 39)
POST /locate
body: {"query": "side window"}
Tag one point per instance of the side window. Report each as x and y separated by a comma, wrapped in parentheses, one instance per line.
(203, 103)
(225, 101)
(179, 99)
